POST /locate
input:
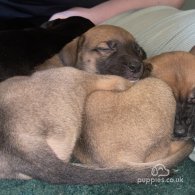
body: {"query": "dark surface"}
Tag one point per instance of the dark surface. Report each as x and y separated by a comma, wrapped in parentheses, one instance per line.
(40, 8)
(23, 49)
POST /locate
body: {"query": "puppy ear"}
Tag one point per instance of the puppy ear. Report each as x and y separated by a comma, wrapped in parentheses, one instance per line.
(192, 51)
(147, 70)
(68, 55)
(191, 96)
(139, 51)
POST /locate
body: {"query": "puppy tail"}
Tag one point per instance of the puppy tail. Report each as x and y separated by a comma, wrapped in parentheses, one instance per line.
(47, 167)
(64, 173)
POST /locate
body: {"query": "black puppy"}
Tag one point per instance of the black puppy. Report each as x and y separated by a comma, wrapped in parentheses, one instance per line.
(23, 49)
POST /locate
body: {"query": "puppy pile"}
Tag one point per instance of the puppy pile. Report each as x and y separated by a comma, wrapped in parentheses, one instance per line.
(119, 130)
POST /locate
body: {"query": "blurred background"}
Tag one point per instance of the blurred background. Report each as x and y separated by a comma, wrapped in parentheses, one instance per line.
(189, 4)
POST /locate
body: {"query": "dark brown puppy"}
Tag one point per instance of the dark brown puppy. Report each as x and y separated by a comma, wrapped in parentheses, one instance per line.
(104, 49)
(178, 70)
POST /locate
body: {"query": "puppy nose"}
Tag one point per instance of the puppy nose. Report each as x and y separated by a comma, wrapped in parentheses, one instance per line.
(180, 132)
(135, 66)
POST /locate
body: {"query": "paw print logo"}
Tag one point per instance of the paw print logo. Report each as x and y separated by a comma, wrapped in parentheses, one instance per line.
(160, 170)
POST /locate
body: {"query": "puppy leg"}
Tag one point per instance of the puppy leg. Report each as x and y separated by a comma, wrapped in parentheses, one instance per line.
(115, 83)
(39, 163)
(6, 169)
(62, 145)
(37, 157)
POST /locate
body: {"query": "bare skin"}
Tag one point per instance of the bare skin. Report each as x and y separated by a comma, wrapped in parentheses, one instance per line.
(99, 13)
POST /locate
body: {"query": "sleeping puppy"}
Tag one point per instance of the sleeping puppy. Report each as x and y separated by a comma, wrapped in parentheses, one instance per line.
(40, 121)
(177, 69)
(38, 143)
(131, 129)
(104, 49)
(23, 49)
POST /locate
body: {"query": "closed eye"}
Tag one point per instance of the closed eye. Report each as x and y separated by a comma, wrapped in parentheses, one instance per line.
(106, 47)
(103, 49)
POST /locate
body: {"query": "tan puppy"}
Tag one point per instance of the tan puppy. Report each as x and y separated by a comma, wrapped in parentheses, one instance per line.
(131, 129)
(177, 69)
(40, 121)
(41, 118)
(104, 49)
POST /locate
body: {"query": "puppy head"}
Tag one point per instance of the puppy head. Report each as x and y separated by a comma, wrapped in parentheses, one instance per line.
(185, 120)
(106, 49)
(177, 69)
(185, 116)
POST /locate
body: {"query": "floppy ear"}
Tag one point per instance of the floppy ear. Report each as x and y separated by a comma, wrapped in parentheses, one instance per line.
(147, 69)
(191, 96)
(192, 51)
(69, 53)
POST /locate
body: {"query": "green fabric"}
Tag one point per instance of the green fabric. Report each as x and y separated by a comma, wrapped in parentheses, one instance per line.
(32, 187)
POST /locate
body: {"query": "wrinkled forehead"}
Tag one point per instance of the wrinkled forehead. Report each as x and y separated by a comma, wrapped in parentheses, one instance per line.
(103, 33)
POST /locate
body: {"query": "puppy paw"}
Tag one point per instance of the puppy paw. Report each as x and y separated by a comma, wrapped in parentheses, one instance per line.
(121, 84)
(114, 83)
